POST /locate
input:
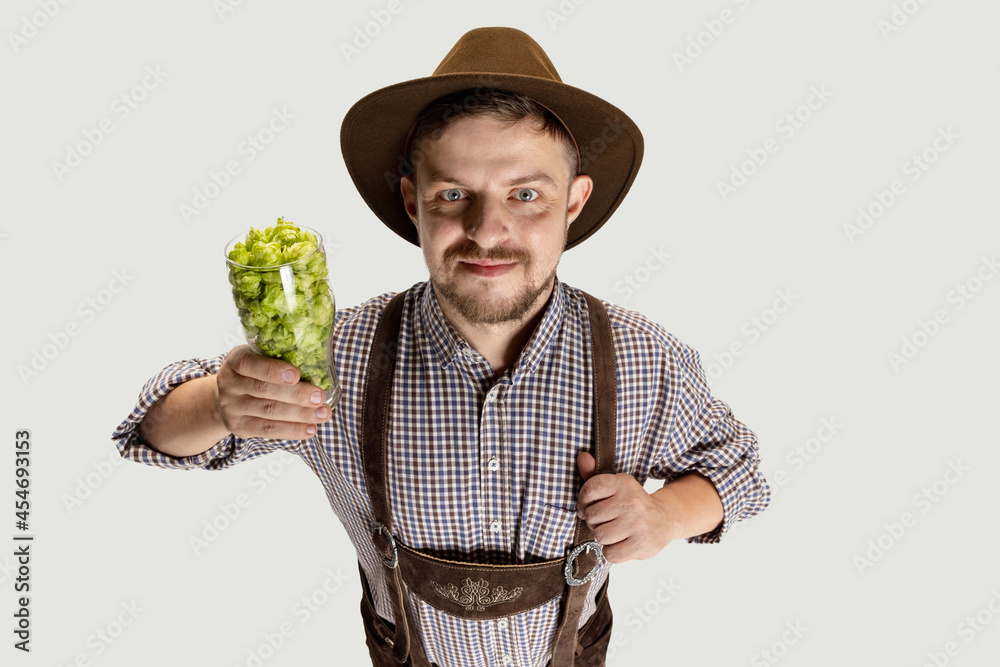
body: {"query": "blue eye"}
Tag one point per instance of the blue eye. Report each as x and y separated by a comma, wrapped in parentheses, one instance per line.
(453, 194)
(527, 194)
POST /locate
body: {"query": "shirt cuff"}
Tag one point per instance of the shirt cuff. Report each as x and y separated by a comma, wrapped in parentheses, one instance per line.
(228, 451)
(744, 492)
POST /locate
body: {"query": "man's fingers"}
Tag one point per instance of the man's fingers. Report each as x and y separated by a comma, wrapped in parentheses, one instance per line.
(248, 416)
(266, 378)
(594, 490)
(586, 464)
(274, 371)
(612, 532)
(622, 551)
(259, 396)
(625, 519)
(247, 426)
(600, 512)
(273, 410)
(301, 394)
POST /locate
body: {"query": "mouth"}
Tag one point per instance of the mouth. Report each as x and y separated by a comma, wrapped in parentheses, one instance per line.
(487, 267)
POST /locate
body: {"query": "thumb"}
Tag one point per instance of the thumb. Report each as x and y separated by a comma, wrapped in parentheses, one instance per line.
(586, 464)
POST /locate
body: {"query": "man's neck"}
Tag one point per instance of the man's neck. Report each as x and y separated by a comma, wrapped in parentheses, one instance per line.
(499, 344)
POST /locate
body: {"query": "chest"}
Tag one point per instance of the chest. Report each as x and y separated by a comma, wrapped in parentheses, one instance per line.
(473, 467)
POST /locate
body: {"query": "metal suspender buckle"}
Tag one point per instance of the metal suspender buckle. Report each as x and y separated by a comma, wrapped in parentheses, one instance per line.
(393, 559)
(594, 546)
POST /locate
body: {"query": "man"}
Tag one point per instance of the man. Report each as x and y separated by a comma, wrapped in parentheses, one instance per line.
(488, 452)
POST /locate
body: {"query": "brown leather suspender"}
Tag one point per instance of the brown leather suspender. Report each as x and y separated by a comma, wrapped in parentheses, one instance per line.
(511, 589)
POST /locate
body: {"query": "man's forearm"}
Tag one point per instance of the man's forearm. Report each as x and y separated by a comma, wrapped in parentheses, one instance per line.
(186, 421)
(693, 505)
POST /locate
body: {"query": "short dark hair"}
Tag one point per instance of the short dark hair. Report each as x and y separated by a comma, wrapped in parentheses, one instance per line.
(503, 105)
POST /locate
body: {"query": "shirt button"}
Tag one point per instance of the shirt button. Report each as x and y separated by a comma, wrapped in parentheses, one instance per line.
(495, 526)
(507, 660)
(493, 464)
(469, 352)
(502, 624)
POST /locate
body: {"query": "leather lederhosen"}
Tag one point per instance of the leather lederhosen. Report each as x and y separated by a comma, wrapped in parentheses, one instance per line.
(470, 590)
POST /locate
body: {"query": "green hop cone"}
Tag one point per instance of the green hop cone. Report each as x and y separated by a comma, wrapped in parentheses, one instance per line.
(287, 313)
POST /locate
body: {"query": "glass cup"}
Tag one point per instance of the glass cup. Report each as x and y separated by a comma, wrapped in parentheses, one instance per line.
(287, 312)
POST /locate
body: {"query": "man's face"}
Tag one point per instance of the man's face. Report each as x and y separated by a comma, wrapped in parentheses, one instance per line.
(492, 202)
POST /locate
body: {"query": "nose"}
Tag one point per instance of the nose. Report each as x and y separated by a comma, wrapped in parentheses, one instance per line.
(488, 223)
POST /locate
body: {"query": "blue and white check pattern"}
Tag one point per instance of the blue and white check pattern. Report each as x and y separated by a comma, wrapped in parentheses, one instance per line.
(484, 469)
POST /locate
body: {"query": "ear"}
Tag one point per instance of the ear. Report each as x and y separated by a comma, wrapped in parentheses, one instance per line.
(409, 191)
(579, 193)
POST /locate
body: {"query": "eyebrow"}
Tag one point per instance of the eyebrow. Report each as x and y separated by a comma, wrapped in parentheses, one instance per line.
(441, 177)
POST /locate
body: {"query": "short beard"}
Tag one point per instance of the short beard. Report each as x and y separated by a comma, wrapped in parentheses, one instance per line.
(472, 308)
(509, 310)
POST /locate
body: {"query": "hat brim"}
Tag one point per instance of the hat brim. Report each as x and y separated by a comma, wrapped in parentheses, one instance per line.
(374, 131)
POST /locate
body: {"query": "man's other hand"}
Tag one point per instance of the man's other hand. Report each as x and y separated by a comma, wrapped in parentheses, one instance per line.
(632, 524)
(629, 522)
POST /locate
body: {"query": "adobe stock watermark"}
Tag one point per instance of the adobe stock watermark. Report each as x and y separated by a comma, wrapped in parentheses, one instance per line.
(923, 501)
(633, 281)
(712, 30)
(33, 24)
(751, 330)
(230, 511)
(121, 108)
(642, 614)
(101, 639)
(363, 35)
(223, 7)
(968, 629)
(787, 126)
(8, 568)
(958, 297)
(913, 168)
(562, 12)
(771, 655)
(806, 451)
(302, 611)
(900, 15)
(87, 310)
(87, 484)
(611, 130)
(248, 149)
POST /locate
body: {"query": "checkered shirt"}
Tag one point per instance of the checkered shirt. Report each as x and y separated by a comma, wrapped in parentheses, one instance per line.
(485, 469)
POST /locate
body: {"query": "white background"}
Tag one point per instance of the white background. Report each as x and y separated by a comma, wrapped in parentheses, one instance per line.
(826, 558)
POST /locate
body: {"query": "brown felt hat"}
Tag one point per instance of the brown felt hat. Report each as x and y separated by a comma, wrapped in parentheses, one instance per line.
(375, 131)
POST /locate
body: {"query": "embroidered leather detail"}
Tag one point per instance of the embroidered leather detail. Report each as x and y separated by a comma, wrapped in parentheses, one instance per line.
(476, 594)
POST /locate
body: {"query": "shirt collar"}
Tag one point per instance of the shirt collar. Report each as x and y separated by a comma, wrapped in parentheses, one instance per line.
(446, 344)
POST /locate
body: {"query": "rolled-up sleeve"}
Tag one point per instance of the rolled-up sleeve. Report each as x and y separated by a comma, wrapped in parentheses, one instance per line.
(228, 451)
(703, 436)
